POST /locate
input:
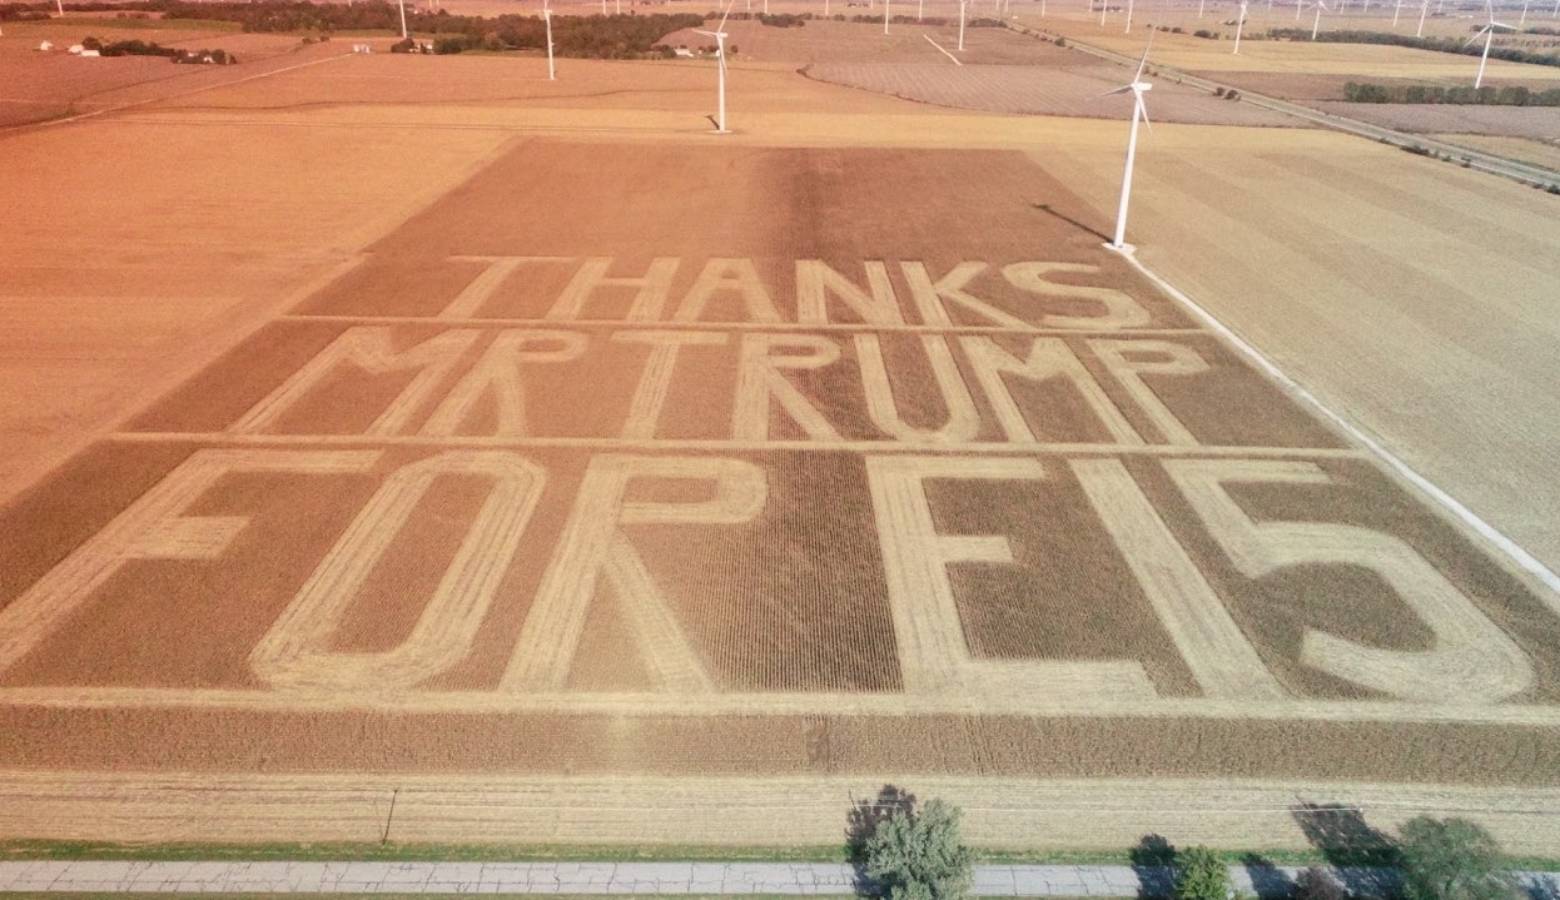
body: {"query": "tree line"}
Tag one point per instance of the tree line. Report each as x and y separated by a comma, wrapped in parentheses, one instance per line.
(1437, 44)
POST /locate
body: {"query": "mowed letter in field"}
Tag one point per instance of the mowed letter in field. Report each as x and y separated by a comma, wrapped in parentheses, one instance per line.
(670, 460)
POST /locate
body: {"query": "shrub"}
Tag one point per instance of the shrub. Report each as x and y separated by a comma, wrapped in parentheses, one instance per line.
(1318, 884)
(916, 855)
(1452, 859)
(1201, 875)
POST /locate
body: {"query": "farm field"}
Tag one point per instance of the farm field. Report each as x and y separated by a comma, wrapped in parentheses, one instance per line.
(44, 86)
(1534, 123)
(525, 456)
(1529, 150)
(1301, 58)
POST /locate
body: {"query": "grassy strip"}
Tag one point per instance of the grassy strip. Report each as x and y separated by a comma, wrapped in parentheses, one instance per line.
(352, 852)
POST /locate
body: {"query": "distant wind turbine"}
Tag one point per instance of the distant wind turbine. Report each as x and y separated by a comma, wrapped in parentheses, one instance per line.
(1523, 20)
(404, 33)
(1395, 11)
(1424, 9)
(920, 11)
(961, 25)
(1240, 24)
(552, 73)
(1138, 87)
(1128, 29)
(1104, 5)
(1316, 23)
(886, 5)
(1200, 5)
(1488, 32)
(719, 34)
(60, 4)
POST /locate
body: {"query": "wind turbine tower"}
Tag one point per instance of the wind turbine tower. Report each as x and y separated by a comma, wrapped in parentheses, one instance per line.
(1488, 33)
(719, 34)
(552, 73)
(1138, 87)
(1240, 24)
(1316, 23)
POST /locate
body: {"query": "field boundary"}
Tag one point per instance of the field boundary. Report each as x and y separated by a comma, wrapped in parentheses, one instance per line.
(1098, 814)
(1465, 516)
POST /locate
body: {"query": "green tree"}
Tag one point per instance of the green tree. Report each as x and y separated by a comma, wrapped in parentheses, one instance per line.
(1201, 875)
(1452, 859)
(916, 855)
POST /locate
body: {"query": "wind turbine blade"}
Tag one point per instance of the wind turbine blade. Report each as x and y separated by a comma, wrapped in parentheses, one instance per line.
(1142, 109)
(1121, 90)
(1143, 63)
(705, 33)
(1476, 35)
(725, 14)
(1502, 25)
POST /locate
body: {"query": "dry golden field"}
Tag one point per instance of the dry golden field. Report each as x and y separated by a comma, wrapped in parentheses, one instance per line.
(527, 450)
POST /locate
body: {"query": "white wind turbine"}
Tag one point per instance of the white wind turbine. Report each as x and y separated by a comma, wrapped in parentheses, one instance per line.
(961, 25)
(886, 5)
(1316, 23)
(1523, 21)
(1200, 5)
(1104, 5)
(1240, 24)
(1138, 87)
(404, 34)
(719, 34)
(552, 73)
(1128, 29)
(920, 11)
(1396, 10)
(1424, 10)
(1488, 32)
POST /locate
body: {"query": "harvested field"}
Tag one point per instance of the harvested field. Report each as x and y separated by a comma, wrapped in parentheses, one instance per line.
(1303, 58)
(856, 491)
(1291, 86)
(44, 86)
(1529, 150)
(860, 42)
(1533, 122)
(1031, 90)
(606, 467)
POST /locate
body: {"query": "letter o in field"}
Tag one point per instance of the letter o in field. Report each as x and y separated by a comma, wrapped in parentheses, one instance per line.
(295, 653)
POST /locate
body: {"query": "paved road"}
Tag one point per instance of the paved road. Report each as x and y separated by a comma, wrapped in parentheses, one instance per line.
(603, 878)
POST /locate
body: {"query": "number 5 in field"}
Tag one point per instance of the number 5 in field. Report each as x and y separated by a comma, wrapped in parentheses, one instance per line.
(1473, 660)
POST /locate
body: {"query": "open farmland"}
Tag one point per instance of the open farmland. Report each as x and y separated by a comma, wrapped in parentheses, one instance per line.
(550, 465)
(43, 86)
(1030, 90)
